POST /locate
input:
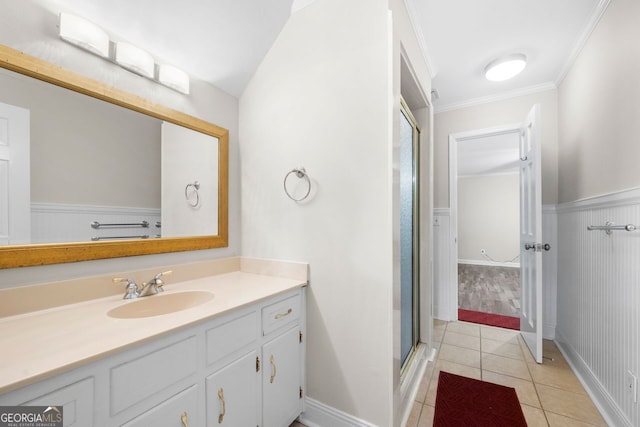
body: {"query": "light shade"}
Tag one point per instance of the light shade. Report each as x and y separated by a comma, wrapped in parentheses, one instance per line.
(174, 78)
(84, 34)
(135, 59)
(505, 68)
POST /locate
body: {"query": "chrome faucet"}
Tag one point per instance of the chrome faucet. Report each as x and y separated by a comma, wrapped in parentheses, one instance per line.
(131, 291)
(155, 285)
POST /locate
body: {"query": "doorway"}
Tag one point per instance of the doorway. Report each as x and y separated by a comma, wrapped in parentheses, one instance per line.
(485, 201)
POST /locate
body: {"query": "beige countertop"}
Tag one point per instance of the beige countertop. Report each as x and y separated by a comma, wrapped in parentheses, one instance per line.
(43, 343)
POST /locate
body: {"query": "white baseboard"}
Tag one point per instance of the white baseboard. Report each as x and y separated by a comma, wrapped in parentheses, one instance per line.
(549, 331)
(612, 414)
(317, 414)
(490, 263)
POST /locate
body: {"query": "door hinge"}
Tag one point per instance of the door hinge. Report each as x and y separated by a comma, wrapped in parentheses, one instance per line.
(300, 392)
(300, 336)
(257, 364)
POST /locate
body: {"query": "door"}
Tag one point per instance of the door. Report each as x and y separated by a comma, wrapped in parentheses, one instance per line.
(15, 187)
(189, 200)
(281, 395)
(232, 394)
(409, 236)
(531, 233)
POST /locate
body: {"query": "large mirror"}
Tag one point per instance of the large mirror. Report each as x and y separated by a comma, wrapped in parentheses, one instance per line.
(103, 179)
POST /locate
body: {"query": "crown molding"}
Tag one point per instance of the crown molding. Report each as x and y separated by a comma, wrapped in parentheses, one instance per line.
(596, 15)
(543, 87)
(413, 17)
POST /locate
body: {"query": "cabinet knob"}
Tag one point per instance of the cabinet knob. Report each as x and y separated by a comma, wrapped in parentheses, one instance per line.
(184, 419)
(223, 408)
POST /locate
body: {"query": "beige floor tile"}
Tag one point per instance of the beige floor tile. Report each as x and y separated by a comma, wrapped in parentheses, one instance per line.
(505, 366)
(573, 405)
(464, 328)
(534, 416)
(455, 368)
(462, 340)
(499, 334)
(426, 417)
(525, 390)
(556, 420)
(463, 356)
(414, 415)
(556, 375)
(501, 348)
(438, 334)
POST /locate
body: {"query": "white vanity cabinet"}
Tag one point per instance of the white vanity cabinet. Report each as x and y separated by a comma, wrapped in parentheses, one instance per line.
(282, 362)
(243, 368)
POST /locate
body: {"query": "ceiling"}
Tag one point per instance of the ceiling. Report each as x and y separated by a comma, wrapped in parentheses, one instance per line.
(224, 41)
(460, 37)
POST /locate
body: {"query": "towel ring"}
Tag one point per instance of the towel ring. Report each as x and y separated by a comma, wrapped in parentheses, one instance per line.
(300, 173)
(196, 187)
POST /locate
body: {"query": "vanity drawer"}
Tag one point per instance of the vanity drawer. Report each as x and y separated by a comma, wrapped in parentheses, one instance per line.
(280, 314)
(231, 336)
(151, 373)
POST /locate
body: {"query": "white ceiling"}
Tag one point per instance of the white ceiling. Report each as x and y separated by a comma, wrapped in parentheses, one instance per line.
(460, 37)
(224, 41)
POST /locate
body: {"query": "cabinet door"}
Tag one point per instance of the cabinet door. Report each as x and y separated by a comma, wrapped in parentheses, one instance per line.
(281, 401)
(232, 394)
(178, 411)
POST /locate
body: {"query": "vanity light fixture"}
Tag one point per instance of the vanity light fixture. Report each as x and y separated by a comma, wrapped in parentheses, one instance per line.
(174, 78)
(84, 34)
(135, 59)
(505, 68)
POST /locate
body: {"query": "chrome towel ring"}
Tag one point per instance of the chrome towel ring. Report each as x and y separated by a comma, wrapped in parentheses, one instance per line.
(301, 173)
(188, 195)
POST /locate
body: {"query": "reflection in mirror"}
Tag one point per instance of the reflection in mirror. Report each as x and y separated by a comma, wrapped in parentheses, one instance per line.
(92, 165)
(72, 165)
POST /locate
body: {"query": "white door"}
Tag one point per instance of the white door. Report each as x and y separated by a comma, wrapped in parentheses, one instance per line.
(189, 205)
(15, 187)
(531, 233)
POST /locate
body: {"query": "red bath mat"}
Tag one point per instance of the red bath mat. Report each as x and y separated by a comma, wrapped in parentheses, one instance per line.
(466, 402)
(489, 319)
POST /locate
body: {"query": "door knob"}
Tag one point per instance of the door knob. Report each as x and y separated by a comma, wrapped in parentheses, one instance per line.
(537, 247)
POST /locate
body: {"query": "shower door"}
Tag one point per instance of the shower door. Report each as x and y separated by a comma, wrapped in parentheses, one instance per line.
(409, 236)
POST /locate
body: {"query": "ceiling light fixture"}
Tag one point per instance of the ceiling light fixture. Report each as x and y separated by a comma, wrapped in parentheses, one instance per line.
(84, 34)
(505, 68)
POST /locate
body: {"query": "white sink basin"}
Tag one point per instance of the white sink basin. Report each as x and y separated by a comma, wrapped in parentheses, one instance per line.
(157, 305)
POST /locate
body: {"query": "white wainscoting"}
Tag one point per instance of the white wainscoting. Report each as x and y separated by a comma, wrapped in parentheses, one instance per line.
(55, 223)
(444, 292)
(599, 299)
(442, 287)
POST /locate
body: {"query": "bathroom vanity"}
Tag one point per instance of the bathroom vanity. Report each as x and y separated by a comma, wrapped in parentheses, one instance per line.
(236, 359)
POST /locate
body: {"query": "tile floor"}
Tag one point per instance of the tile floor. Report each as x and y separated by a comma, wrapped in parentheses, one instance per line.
(550, 394)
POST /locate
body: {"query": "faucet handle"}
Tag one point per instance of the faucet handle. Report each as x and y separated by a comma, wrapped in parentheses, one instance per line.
(159, 282)
(131, 291)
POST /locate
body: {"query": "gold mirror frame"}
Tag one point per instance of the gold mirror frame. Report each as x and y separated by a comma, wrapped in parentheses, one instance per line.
(55, 253)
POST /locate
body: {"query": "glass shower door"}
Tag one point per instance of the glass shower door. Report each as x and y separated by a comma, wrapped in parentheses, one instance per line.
(409, 268)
